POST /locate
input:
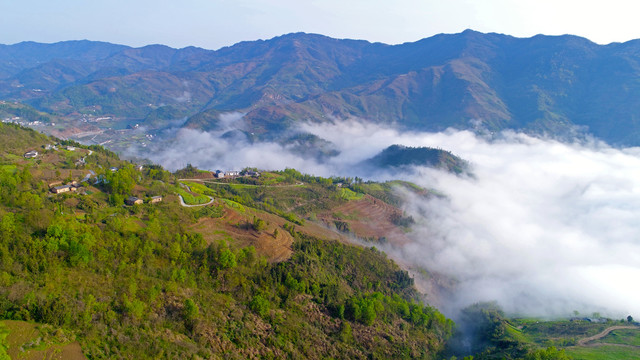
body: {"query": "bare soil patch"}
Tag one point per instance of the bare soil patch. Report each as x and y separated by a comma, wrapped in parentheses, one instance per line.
(235, 226)
(368, 217)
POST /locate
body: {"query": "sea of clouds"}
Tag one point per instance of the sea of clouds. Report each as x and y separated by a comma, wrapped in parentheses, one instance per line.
(543, 227)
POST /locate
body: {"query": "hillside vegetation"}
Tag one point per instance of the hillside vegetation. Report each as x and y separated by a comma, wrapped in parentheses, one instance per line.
(146, 281)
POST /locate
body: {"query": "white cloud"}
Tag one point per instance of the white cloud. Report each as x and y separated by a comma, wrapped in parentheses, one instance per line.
(543, 227)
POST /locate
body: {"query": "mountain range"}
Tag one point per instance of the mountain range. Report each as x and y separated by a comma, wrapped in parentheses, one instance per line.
(554, 85)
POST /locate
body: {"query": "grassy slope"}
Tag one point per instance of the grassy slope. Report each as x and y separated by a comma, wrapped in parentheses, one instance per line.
(623, 336)
(30, 342)
(604, 352)
(564, 334)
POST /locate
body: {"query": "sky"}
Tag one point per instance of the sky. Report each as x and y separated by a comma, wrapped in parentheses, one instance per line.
(212, 24)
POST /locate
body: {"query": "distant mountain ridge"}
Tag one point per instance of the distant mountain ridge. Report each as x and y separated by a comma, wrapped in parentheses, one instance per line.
(554, 85)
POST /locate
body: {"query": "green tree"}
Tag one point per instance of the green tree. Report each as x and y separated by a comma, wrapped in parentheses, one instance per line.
(7, 228)
(134, 308)
(227, 259)
(260, 305)
(258, 224)
(550, 353)
(191, 310)
(122, 181)
(346, 334)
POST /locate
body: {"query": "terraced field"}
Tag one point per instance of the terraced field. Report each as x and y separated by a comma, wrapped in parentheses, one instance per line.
(235, 227)
(368, 217)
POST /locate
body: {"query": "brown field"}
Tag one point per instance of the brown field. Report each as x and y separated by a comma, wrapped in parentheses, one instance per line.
(27, 342)
(368, 217)
(234, 226)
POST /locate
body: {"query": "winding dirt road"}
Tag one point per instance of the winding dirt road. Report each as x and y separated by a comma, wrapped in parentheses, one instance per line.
(584, 341)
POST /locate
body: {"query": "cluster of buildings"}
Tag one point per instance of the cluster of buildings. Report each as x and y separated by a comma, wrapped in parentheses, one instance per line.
(33, 153)
(231, 174)
(73, 186)
(18, 120)
(58, 188)
(221, 174)
(132, 200)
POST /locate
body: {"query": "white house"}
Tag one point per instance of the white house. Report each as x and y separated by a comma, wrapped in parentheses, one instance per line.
(30, 154)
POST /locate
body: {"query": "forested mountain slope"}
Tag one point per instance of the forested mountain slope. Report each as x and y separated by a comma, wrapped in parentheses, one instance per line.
(558, 85)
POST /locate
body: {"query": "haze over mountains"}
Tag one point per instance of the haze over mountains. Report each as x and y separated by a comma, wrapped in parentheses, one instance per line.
(556, 85)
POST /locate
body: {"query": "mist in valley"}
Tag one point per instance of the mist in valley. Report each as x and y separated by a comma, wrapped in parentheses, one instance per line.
(543, 227)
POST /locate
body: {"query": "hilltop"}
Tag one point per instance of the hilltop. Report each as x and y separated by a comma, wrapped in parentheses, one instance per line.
(400, 156)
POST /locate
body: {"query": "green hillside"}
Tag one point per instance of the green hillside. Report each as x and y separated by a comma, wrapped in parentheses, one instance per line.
(159, 280)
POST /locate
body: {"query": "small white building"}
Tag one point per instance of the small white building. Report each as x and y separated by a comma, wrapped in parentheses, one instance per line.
(30, 154)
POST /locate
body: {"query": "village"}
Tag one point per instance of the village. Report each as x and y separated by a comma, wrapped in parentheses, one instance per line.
(90, 178)
(87, 181)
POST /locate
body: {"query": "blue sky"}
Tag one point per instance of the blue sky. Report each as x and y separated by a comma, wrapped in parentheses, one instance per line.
(213, 24)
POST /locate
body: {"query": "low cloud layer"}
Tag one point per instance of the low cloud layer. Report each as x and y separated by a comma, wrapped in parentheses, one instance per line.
(543, 227)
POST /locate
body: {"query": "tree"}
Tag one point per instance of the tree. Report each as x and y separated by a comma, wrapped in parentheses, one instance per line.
(260, 305)
(346, 334)
(227, 259)
(550, 353)
(191, 310)
(629, 319)
(122, 181)
(7, 228)
(258, 224)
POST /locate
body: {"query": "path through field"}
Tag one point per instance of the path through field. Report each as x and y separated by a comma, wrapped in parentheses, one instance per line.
(584, 341)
